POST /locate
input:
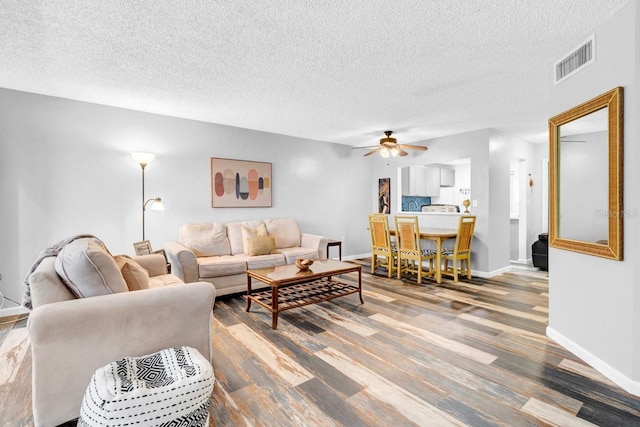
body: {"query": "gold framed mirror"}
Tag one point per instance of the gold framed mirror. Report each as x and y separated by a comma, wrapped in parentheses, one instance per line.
(585, 185)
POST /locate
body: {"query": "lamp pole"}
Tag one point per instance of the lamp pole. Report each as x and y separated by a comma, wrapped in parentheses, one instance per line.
(143, 165)
(143, 160)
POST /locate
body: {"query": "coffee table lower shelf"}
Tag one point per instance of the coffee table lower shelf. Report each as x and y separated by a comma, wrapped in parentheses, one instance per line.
(283, 298)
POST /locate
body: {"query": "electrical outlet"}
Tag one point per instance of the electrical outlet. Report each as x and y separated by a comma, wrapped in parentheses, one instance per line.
(475, 203)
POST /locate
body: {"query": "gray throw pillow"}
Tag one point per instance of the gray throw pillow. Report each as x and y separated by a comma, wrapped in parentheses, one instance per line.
(89, 270)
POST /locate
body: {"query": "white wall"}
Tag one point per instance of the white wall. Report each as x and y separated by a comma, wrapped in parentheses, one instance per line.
(66, 168)
(529, 160)
(594, 303)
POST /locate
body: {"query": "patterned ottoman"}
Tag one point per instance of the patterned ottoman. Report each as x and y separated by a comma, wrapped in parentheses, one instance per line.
(168, 388)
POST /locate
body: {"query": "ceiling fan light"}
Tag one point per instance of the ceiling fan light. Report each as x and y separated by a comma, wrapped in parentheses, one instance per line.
(395, 151)
(384, 152)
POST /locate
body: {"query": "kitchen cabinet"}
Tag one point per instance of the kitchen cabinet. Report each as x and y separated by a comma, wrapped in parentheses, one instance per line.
(421, 181)
(447, 177)
(413, 181)
(432, 181)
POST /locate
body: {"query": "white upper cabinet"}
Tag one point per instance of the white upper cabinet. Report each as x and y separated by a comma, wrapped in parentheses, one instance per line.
(423, 181)
(447, 177)
(432, 175)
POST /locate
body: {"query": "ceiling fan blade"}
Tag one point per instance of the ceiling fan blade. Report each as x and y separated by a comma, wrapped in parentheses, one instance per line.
(413, 147)
(372, 151)
(401, 152)
(369, 146)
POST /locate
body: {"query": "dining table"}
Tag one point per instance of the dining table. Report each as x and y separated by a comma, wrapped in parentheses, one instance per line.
(436, 235)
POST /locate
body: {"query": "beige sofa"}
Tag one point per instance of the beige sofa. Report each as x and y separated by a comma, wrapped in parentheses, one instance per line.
(72, 337)
(221, 253)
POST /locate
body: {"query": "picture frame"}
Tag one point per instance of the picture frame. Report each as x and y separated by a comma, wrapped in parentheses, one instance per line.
(384, 195)
(164, 254)
(142, 248)
(240, 183)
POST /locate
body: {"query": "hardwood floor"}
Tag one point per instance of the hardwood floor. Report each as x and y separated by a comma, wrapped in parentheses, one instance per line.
(468, 353)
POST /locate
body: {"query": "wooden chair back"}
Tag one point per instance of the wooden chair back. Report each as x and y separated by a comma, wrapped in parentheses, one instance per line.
(407, 233)
(410, 253)
(380, 235)
(465, 235)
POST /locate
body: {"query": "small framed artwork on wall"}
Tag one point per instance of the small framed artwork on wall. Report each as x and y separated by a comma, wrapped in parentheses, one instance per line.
(240, 183)
(384, 195)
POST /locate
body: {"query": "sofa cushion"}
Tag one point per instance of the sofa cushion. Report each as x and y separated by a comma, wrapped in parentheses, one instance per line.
(285, 231)
(234, 232)
(291, 254)
(89, 270)
(135, 276)
(163, 280)
(262, 261)
(225, 265)
(205, 239)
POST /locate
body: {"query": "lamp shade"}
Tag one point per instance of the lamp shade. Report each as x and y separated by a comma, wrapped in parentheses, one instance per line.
(143, 158)
(156, 204)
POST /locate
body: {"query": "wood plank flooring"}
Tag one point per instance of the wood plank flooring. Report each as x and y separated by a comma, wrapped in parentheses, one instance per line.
(469, 353)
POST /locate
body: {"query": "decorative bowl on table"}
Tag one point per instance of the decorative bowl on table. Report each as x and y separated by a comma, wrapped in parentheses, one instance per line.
(303, 263)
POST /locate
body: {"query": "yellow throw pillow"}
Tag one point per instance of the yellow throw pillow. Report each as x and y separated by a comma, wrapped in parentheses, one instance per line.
(260, 246)
(257, 242)
(134, 274)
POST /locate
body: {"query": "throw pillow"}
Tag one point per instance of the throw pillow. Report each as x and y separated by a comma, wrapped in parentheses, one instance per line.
(134, 274)
(260, 246)
(89, 270)
(257, 242)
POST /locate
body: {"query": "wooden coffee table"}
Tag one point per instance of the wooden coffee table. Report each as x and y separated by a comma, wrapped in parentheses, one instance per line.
(291, 288)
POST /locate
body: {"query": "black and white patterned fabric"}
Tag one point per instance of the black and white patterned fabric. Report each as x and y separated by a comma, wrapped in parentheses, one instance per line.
(169, 388)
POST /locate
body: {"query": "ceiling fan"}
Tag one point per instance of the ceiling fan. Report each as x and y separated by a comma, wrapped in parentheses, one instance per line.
(389, 146)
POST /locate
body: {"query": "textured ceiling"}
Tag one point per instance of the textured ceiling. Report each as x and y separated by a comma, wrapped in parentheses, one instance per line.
(331, 70)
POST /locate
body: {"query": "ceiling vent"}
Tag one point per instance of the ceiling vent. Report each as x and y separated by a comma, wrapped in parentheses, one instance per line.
(576, 60)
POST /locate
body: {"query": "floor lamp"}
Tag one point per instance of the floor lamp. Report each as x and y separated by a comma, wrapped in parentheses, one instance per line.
(143, 160)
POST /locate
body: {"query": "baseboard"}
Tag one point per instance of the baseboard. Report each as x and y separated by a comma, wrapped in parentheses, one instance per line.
(526, 261)
(490, 274)
(352, 257)
(13, 311)
(628, 384)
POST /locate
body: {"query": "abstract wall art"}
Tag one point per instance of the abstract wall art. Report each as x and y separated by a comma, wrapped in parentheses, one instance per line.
(384, 195)
(240, 183)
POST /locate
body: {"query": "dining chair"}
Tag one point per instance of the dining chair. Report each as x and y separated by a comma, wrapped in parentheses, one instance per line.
(381, 245)
(411, 255)
(461, 251)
